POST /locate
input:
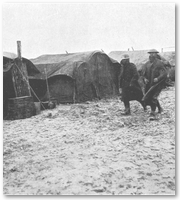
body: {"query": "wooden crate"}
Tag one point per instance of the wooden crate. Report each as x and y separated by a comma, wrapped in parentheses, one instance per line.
(20, 107)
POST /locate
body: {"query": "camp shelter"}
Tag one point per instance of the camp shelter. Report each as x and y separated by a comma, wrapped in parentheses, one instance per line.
(140, 57)
(77, 77)
(10, 70)
(9, 55)
(170, 56)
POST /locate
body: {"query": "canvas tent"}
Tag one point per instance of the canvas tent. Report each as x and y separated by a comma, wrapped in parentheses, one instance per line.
(10, 69)
(76, 77)
(9, 55)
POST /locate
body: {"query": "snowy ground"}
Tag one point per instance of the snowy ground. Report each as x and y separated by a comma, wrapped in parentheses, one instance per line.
(90, 149)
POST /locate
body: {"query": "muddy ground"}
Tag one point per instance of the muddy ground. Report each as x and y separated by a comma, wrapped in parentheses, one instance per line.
(90, 149)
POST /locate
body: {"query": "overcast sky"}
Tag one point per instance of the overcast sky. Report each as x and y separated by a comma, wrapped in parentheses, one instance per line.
(74, 27)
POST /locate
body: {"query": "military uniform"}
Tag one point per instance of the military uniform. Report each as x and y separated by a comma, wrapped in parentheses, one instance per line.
(155, 74)
(128, 83)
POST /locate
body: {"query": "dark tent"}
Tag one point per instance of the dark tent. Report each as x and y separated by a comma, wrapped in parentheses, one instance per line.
(9, 67)
(76, 77)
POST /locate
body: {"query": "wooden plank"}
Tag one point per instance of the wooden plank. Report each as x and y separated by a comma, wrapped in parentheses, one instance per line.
(20, 80)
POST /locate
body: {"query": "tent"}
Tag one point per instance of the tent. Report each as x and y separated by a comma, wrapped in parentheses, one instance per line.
(10, 69)
(75, 77)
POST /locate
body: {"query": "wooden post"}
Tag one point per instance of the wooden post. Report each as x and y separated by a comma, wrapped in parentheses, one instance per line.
(47, 85)
(20, 75)
(19, 50)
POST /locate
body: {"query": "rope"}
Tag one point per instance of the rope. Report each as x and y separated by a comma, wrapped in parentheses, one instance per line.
(29, 85)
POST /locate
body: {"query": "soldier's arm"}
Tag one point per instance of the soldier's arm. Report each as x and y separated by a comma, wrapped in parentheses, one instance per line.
(162, 73)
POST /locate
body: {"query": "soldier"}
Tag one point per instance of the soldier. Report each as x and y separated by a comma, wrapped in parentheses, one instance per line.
(155, 75)
(129, 87)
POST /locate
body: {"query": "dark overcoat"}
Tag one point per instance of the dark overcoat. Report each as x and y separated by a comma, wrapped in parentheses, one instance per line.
(128, 81)
(152, 70)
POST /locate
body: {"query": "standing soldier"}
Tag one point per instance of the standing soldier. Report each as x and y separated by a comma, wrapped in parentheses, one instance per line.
(129, 87)
(155, 75)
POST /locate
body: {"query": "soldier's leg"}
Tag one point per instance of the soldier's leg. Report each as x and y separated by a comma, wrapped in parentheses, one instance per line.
(153, 109)
(155, 100)
(160, 109)
(127, 108)
(143, 103)
(153, 105)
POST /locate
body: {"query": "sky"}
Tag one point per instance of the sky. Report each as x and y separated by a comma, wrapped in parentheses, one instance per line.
(54, 28)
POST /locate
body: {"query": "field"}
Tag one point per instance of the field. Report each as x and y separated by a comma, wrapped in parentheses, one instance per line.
(91, 149)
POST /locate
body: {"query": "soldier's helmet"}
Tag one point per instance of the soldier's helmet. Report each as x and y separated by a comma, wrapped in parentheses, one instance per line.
(124, 57)
(153, 51)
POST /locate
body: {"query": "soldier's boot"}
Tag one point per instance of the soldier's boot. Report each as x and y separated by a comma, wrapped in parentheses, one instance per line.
(153, 114)
(127, 108)
(126, 111)
(160, 110)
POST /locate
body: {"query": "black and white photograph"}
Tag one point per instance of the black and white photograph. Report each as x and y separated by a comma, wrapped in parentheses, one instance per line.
(89, 102)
